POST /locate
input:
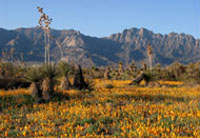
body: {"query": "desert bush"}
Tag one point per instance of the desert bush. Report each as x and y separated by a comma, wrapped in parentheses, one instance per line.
(11, 76)
(7, 70)
(192, 74)
(107, 74)
(176, 70)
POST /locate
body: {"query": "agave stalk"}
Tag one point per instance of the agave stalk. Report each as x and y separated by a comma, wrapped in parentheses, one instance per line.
(120, 68)
(60, 47)
(12, 51)
(150, 56)
(45, 47)
(44, 23)
(107, 74)
(48, 46)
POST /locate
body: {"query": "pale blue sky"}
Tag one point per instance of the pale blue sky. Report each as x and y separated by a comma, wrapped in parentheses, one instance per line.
(104, 17)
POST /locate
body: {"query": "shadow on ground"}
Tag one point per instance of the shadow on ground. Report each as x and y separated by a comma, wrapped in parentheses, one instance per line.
(151, 98)
(21, 100)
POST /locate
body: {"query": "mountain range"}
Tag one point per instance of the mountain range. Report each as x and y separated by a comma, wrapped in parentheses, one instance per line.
(127, 46)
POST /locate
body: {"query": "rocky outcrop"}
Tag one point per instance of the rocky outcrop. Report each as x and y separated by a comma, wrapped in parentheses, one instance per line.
(77, 48)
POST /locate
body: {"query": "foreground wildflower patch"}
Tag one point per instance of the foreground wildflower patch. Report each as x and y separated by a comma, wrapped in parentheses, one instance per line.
(121, 111)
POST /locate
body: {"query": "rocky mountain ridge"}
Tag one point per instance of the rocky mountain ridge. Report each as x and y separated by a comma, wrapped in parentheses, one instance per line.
(78, 48)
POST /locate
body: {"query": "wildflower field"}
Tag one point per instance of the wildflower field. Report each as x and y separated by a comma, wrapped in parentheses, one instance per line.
(120, 111)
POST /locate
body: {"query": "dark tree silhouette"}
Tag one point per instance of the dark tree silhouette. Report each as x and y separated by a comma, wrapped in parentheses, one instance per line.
(79, 82)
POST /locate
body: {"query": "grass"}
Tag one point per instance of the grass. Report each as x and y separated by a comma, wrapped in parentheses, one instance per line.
(123, 111)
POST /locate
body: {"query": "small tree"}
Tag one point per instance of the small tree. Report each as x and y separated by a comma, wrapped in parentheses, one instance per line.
(58, 43)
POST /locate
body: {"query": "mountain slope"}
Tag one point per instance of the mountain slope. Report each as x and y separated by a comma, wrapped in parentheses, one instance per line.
(167, 48)
(81, 49)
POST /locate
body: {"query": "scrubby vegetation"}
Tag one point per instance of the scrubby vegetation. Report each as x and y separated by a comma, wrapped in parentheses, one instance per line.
(60, 102)
(65, 76)
(189, 74)
(64, 100)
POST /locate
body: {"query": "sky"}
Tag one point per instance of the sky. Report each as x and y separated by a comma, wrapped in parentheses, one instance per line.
(104, 17)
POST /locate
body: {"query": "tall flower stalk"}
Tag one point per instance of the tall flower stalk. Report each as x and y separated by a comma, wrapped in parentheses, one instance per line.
(150, 56)
(44, 23)
(58, 43)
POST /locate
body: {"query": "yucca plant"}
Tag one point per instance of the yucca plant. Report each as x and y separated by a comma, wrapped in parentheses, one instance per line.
(120, 68)
(34, 75)
(65, 71)
(49, 74)
(107, 74)
(132, 69)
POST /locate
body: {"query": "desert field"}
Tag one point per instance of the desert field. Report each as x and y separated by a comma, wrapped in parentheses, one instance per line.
(112, 109)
